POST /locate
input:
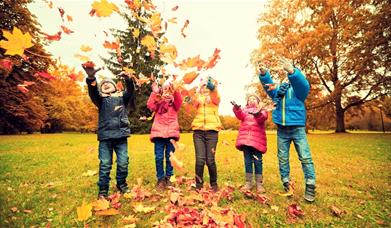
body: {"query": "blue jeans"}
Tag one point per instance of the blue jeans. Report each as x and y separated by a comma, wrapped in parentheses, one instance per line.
(106, 147)
(163, 147)
(252, 157)
(285, 135)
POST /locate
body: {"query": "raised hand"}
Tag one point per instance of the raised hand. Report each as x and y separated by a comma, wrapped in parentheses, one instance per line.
(271, 87)
(235, 105)
(262, 68)
(90, 70)
(286, 65)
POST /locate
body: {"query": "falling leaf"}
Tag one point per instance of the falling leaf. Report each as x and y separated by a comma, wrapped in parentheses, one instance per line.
(69, 18)
(184, 27)
(175, 162)
(136, 32)
(85, 48)
(142, 209)
(66, 30)
(111, 45)
(295, 211)
(103, 8)
(16, 42)
(149, 42)
(120, 86)
(168, 53)
(129, 70)
(212, 61)
(107, 212)
(190, 77)
(84, 211)
(55, 37)
(175, 8)
(62, 12)
(82, 58)
(173, 20)
(336, 211)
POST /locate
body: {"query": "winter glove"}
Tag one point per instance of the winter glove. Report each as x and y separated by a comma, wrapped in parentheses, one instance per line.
(90, 70)
(282, 90)
(210, 85)
(286, 65)
(236, 106)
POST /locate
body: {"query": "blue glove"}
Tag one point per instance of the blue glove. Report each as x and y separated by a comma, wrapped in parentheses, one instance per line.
(210, 84)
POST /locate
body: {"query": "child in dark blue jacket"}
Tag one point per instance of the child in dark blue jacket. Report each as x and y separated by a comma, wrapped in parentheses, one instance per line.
(113, 127)
(290, 117)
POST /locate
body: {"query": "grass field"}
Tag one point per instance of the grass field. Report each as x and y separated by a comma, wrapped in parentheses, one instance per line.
(41, 179)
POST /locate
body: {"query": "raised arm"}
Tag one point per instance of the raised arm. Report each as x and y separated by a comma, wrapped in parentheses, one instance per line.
(238, 112)
(261, 117)
(177, 100)
(152, 102)
(300, 84)
(93, 91)
(129, 94)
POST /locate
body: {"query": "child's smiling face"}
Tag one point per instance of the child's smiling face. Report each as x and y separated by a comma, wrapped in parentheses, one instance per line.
(107, 87)
(252, 101)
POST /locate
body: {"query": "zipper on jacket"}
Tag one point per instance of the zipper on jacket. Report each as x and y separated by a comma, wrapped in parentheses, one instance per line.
(204, 114)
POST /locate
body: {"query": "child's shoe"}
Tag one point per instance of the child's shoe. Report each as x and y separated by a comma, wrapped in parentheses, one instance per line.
(215, 188)
(161, 184)
(103, 193)
(168, 182)
(249, 182)
(309, 193)
(259, 182)
(123, 188)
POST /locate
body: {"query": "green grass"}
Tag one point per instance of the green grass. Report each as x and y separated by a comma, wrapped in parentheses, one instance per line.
(43, 173)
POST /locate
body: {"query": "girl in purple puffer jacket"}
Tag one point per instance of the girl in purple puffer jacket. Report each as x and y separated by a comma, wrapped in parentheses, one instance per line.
(252, 139)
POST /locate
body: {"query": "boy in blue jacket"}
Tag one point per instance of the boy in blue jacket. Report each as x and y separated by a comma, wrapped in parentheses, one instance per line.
(113, 127)
(290, 118)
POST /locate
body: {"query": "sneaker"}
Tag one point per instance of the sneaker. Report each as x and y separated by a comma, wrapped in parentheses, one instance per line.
(287, 186)
(123, 189)
(103, 193)
(309, 193)
(259, 183)
(161, 184)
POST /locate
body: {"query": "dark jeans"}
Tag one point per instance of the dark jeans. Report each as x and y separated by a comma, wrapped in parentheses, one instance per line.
(163, 147)
(205, 143)
(252, 157)
(106, 147)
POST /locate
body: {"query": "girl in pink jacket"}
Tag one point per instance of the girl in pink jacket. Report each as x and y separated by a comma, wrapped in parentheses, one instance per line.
(165, 103)
(252, 139)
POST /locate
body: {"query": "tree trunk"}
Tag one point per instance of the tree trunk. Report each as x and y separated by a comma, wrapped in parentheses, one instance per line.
(339, 116)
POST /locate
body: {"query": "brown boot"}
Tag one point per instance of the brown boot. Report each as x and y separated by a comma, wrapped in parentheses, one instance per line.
(161, 184)
(259, 183)
(249, 182)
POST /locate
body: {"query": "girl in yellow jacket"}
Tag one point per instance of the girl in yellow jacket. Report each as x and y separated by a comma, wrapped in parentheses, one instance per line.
(206, 126)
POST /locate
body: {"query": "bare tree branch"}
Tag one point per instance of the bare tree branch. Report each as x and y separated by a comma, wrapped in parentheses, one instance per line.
(320, 76)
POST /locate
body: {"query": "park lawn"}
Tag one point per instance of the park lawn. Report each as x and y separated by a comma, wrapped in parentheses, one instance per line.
(41, 179)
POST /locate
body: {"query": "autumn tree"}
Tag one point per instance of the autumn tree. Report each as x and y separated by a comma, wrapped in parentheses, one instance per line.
(67, 106)
(139, 55)
(341, 45)
(20, 108)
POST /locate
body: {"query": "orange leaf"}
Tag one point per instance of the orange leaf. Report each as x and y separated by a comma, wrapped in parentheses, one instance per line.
(175, 162)
(6, 64)
(173, 20)
(55, 37)
(175, 8)
(69, 18)
(100, 204)
(184, 27)
(189, 77)
(149, 42)
(120, 86)
(66, 30)
(108, 212)
(44, 75)
(111, 45)
(61, 10)
(22, 88)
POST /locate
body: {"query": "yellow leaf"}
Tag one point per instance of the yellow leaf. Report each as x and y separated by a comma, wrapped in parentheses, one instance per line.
(168, 53)
(104, 8)
(84, 211)
(141, 209)
(85, 48)
(287, 194)
(129, 70)
(149, 42)
(136, 32)
(16, 42)
(82, 58)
